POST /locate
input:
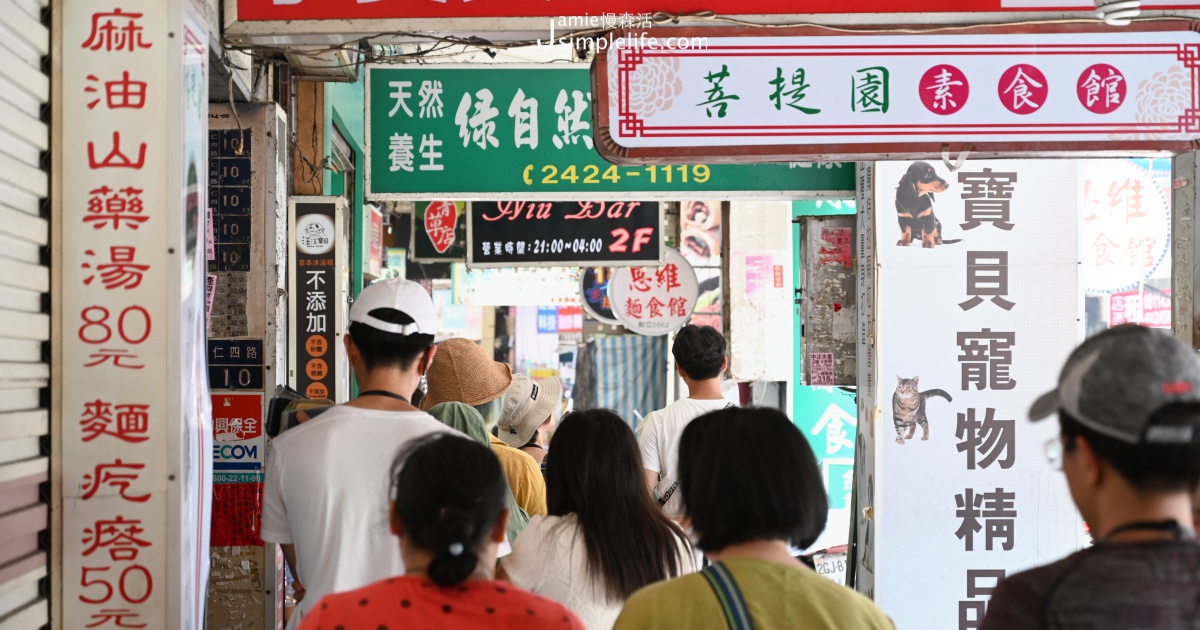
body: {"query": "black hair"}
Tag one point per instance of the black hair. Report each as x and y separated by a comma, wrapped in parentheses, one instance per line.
(1149, 468)
(748, 474)
(449, 491)
(596, 474)
(699, 351)
(382, 349)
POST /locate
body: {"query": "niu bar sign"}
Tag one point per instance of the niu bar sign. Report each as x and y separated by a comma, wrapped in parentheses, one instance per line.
(1004, 90)
(582, 233)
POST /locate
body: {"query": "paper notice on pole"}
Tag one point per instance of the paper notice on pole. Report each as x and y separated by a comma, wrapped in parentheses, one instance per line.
(820, 369)
(210, 292)
(210, 242)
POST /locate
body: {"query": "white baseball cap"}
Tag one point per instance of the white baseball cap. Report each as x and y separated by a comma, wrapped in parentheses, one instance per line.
(399, 294)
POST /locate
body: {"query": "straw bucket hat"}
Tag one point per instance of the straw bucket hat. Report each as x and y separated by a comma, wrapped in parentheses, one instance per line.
(463, 372)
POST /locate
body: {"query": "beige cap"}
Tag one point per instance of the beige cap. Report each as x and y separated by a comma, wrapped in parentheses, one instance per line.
(527, 404)
(463, 372)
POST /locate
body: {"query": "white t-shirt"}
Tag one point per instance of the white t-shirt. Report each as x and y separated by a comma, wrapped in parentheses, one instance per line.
(326, 492)
(658, 437)
(549, 558)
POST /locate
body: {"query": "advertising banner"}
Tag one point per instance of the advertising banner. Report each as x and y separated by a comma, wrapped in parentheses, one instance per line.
(516, 286)
(585, 233)
(316, 288)
(847, 95)
(979, 302)
(506, 132)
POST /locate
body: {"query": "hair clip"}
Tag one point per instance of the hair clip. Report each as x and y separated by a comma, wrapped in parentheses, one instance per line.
(456, 549)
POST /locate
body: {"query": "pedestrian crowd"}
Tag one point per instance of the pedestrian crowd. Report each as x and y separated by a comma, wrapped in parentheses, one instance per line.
(478, 507)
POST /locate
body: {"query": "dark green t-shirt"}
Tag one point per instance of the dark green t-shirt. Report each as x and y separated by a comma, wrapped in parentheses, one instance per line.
(1111, 586)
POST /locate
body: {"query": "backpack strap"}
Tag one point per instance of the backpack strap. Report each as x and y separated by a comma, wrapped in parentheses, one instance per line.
(729, 596)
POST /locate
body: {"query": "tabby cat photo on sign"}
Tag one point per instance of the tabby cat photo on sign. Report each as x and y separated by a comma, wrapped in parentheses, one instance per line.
(908, 407)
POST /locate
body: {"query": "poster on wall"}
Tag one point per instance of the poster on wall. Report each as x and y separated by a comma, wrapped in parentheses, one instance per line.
(439, 231)
(700, 243)
(979, 303)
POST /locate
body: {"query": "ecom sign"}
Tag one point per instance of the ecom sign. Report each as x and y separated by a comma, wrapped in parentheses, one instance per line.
(237, 456)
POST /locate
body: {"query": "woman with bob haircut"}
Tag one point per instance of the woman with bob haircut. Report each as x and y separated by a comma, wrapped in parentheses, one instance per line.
(750, 486)
(448, 512)
(605, 537)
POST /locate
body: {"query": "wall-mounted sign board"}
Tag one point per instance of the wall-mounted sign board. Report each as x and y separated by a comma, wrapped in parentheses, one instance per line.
(282, 22)
(1011, 90)
(545, 234)
(486, 132)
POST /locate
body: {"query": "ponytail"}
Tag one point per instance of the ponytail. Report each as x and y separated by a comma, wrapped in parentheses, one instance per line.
(449, 492)
(454, 559)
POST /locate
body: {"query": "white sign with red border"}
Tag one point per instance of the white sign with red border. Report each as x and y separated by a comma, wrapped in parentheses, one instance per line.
(133, 417)
(735, 97)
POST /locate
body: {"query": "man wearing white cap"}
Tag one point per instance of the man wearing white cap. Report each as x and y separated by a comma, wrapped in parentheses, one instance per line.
(1128, 406)
(530, 410)
(326, 492)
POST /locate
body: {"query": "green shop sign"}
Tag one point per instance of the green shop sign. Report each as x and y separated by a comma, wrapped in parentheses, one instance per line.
(475, 131)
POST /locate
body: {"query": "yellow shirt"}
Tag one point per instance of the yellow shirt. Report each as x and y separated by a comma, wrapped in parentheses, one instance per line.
(524, 476)
(779, 597)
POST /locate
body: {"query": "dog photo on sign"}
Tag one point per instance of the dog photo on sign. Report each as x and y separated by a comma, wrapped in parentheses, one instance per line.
(914, 206)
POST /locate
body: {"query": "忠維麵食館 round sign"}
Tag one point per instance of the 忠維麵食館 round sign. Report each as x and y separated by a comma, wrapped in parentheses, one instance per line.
(654, 300)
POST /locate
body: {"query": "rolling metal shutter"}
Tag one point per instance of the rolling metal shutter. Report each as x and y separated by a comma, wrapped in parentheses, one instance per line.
(24, 322)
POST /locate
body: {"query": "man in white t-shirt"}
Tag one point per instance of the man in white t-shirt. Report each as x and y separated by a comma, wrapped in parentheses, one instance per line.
(325, 498)
(700, 360)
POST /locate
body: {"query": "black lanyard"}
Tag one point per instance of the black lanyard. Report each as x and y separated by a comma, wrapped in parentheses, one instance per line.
(1178, 532)
(380, 392)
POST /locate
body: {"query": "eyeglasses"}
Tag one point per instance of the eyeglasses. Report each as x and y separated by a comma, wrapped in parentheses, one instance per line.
(1054, 452)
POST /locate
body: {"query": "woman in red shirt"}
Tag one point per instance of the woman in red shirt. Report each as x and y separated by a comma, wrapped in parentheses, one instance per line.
(448, 511)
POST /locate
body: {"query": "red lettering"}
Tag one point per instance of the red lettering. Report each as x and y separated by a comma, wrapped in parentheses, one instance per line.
(115, 158)
(149, 587)
(504, 208)
(120, 537)
(85, 583)
(642, 236)
(585, 208)
(119, 475)
(618, 246)
(614, 211)
(630, 208)
(543, 211)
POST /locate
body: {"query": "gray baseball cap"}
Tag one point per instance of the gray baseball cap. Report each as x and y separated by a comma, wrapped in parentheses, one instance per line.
(1116, 380)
